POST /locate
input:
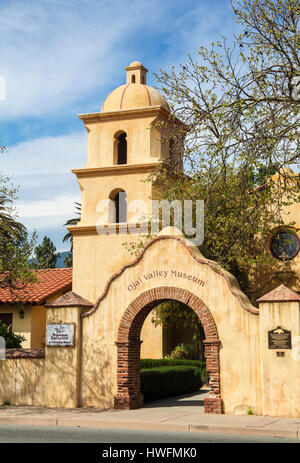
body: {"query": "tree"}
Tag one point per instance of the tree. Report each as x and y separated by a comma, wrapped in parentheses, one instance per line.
(9, 226)
(16, 270)
(68, 261)
(238, 102)
(68, 237)
(240, 117)
(16, 246)
(72, 222)
(46, 255)
(181, 316)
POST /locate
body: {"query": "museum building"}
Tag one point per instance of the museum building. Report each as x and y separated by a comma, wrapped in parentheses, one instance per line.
(113, 295)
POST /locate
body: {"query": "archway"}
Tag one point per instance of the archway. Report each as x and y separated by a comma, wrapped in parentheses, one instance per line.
(128, 346)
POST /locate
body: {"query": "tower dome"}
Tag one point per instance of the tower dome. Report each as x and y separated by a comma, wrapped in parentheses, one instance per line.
(135, 93)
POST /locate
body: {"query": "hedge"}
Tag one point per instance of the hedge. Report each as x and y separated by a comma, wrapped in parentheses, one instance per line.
(165, 381)
(154, 363)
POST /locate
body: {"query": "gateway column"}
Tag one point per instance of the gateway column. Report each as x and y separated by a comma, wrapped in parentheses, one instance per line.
(280, 352)
(63, 351)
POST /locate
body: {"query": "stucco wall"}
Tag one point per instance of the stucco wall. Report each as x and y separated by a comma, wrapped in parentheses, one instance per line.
(22, 381)
(38, 326)
(153, 339)
(280, 382)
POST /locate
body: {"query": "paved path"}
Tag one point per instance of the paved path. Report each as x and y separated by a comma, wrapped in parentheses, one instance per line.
(180, 414)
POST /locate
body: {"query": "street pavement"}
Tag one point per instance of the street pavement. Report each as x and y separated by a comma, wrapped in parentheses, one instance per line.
(183, 414)
(19, 434)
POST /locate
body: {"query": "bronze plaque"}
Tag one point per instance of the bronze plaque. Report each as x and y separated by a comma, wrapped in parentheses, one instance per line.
(279, 338)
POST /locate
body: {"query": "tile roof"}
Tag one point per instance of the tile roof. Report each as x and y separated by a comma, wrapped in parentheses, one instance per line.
(50, 282)
(70, 299)
(280, 294)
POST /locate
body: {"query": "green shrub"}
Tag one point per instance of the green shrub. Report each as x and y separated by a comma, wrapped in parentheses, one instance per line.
(154, 363)
(166, 381)
(12, 340)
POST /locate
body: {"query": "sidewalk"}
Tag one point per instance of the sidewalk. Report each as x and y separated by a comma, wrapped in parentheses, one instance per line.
(182, 414)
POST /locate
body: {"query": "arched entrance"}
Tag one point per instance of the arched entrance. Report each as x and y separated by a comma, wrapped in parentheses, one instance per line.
(128, 346)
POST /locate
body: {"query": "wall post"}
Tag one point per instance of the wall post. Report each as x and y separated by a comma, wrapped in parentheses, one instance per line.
(280, 352)
(63, 363)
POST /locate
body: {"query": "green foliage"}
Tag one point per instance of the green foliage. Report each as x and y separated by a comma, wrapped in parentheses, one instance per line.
(68, 261)
(181, 316)
(46, 255)
(15, 269)
(166, 361)
(183, 351)
(177, 313)
(167, 381)
(16, 247)
(71, 223)
(12, 340)
(9, 226)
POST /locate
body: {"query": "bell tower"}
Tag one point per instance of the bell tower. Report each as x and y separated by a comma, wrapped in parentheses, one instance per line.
(124, 145)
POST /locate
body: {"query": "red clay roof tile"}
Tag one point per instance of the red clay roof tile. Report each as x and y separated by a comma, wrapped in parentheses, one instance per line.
(50, 282)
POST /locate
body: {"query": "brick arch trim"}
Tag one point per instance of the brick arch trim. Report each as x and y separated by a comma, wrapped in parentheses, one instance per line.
(152, 297)
(128, 346)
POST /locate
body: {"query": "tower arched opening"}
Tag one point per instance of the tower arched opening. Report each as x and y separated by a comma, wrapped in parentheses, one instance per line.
(117, 212)
(120, 148)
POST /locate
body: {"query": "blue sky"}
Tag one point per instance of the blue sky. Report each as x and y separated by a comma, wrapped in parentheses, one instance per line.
(62, 58)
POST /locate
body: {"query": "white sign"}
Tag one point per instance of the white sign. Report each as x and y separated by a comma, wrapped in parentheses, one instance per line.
(60, 335)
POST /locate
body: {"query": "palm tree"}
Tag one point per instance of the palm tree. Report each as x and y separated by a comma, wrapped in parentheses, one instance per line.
(70, 222)
(8, 225)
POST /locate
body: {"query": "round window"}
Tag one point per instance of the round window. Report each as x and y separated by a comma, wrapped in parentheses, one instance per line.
(285, 245)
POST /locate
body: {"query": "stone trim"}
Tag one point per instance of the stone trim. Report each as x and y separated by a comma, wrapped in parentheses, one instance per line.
(118, 168)
(147, 111)
(128, 346)
(213, 265)
(19, 353)
(110, 228)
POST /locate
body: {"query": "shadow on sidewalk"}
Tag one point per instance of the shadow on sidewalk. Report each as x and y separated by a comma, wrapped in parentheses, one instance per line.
(192, 399)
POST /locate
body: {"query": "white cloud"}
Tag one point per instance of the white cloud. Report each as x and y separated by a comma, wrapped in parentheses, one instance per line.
(54, 53)
(48, 189)
(48, 155)
(63, 204)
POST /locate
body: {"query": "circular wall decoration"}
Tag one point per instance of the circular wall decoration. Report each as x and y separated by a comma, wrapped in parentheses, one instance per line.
(285, 245)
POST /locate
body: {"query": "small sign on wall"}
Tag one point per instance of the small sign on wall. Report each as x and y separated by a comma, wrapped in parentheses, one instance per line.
(60, 334)
(279, 338)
